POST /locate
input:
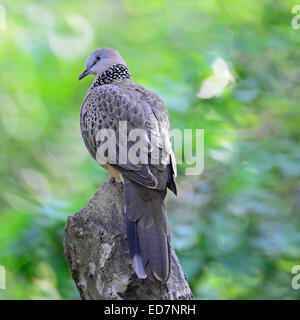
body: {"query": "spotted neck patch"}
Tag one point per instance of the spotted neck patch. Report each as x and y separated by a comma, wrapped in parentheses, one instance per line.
(116, 71)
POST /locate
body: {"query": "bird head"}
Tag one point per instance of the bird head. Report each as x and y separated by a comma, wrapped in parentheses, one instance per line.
(100, 60)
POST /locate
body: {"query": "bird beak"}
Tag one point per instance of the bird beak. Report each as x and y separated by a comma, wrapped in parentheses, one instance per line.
(84, 74)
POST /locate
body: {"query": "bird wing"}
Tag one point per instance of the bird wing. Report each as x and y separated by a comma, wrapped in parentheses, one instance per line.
(105, 106)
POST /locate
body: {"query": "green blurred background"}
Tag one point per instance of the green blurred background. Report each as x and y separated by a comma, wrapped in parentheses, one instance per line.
(236, 226)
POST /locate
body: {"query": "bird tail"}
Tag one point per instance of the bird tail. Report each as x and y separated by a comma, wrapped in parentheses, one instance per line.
(147, 231)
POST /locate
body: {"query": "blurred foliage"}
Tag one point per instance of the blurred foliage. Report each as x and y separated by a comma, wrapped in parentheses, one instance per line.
(236, 226)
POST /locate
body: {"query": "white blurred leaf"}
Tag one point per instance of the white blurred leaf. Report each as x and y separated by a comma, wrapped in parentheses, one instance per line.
(215, 85)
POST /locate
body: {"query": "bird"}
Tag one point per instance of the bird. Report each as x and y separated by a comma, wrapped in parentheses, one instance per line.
(112, 98)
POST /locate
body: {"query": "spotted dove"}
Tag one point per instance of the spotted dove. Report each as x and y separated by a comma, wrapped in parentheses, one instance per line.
(113, 98)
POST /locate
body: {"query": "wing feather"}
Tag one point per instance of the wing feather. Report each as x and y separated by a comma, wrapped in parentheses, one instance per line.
(106, 106)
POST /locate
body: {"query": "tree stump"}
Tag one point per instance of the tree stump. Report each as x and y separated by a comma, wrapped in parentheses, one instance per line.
(95, 247)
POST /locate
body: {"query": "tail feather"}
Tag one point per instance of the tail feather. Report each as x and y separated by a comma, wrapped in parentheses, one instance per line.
(147, 231)
(134, 248)
(155, 252)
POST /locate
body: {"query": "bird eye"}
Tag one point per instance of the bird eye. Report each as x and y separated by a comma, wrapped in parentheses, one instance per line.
(98, 58)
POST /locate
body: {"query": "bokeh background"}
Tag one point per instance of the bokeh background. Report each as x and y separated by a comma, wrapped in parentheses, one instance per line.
(231, 68)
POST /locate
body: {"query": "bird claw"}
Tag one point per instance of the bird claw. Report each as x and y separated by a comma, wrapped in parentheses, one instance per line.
(111, 179)
(117, 185)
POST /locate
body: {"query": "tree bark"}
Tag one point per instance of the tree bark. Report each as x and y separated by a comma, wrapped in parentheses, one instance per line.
(96, 250)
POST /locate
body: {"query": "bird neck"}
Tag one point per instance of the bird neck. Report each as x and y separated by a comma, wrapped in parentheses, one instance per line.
(114, 72)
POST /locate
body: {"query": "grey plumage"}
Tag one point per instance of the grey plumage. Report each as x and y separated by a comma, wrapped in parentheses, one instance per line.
(114, 97)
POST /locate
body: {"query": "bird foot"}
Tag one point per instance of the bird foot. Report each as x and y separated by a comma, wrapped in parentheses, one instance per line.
(111, 179)
(117, 185)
